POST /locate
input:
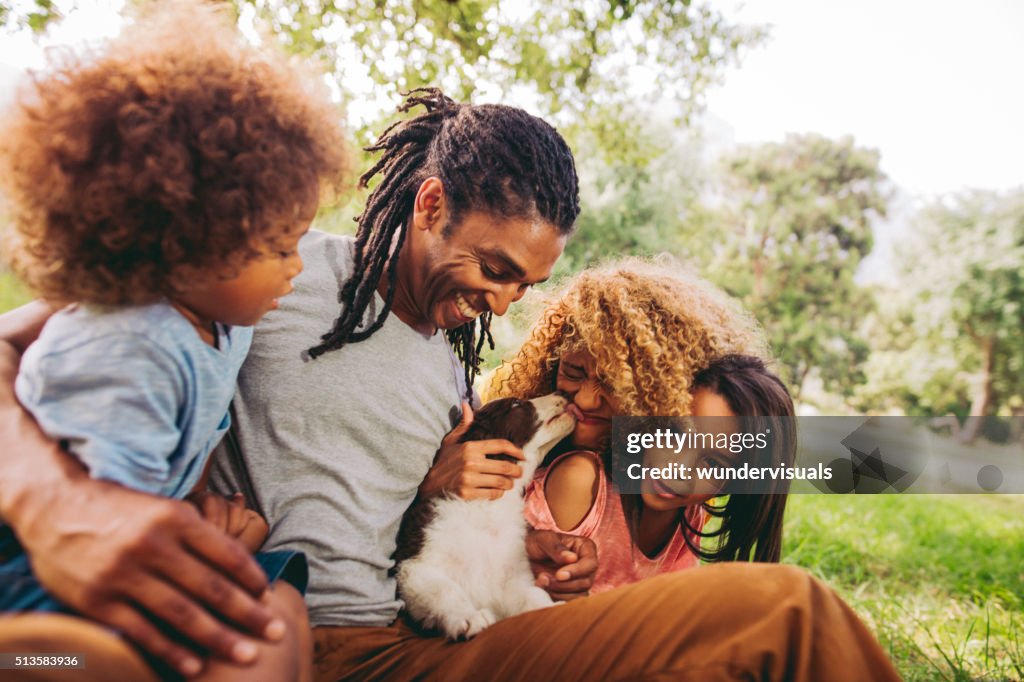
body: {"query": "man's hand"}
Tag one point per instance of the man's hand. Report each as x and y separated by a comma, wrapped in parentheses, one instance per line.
(233, 517)
(463, 469)
(124, 558)
(562, 564)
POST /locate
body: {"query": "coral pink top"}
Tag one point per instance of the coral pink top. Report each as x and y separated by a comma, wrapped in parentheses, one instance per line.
(620, 562)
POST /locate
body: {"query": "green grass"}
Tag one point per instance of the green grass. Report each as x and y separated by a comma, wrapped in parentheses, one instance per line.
(938, 578)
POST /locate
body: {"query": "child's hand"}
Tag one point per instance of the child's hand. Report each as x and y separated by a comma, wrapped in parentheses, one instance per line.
(233, 517)
(564, 565)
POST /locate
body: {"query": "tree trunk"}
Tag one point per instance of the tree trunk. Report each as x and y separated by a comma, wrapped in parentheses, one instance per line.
(1017, 425)
(982, 403)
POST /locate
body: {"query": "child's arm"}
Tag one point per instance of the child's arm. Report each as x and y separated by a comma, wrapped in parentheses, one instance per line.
(233, 517)
(570, 489)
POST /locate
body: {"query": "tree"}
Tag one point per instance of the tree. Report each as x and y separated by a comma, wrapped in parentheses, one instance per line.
(584, 64)
(795, 225)
(35, 15)
(962, 284)
(644, 202)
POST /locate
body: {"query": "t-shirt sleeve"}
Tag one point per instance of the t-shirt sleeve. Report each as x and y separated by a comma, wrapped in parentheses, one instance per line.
(114, 401)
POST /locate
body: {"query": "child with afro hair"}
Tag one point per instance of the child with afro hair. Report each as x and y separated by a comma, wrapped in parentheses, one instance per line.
(158, 187)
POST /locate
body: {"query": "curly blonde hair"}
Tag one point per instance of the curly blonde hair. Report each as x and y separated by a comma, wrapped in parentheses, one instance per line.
(650, 327)
(174, 147)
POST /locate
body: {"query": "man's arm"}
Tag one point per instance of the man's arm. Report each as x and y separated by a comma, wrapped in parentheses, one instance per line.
(114, 554)
(21, 326)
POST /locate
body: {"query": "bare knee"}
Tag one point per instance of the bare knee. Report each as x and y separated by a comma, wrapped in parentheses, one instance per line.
(290, 658)
(290, 605)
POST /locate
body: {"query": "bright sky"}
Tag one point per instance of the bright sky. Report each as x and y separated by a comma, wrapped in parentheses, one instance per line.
(934, 85)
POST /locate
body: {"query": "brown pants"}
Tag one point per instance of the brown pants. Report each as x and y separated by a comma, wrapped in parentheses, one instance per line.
(722, 622)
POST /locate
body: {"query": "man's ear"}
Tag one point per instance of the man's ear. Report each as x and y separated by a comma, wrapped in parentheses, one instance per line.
(429, 208)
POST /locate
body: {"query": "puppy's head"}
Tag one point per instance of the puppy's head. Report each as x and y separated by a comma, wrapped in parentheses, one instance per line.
(534, 425)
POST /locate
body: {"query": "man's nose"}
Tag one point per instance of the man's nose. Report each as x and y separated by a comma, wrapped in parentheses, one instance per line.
(500, 299)
(296, 268)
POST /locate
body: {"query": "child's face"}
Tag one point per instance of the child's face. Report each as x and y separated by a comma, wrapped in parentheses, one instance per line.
(659, 495)
(594, 404)
(252, 291)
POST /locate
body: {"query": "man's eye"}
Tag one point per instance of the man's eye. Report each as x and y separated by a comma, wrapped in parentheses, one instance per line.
(286, 254)
(494, 274)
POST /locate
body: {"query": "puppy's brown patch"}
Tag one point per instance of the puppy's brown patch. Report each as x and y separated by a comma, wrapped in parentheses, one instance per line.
(509, 419)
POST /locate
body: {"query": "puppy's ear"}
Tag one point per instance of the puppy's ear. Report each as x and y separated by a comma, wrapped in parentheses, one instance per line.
(478, 430)
(487, 421)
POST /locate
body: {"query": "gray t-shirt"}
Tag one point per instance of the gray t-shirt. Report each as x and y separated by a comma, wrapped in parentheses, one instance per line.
(333, 449)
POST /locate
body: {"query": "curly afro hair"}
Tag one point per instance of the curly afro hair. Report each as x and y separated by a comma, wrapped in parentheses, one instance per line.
(649, 326)
(175, 147)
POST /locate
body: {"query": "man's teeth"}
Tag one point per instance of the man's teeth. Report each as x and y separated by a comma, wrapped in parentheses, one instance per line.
(465, 309)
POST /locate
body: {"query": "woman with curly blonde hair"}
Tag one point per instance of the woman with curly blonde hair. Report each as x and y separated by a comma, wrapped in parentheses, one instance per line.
(161, 184)
(642, 339)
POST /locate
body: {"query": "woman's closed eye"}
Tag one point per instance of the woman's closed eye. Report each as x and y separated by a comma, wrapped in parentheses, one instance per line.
(571, 372)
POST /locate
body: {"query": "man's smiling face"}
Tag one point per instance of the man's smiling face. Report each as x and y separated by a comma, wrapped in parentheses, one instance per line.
(484, 263)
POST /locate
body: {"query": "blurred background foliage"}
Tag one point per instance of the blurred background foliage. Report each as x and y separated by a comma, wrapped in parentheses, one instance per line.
(785, 227)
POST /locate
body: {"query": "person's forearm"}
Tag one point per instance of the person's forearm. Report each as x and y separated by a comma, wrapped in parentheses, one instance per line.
(21, 326)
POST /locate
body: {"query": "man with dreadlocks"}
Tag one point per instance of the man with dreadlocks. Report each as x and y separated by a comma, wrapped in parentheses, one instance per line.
(337, 420)
(472, 205)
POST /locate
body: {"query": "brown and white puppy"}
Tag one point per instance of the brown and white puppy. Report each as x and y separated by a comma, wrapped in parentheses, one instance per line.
(463, 564)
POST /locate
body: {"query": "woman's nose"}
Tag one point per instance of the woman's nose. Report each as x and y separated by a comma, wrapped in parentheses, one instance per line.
(589, 395)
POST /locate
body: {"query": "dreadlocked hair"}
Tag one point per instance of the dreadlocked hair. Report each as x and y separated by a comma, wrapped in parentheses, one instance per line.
(489, 157)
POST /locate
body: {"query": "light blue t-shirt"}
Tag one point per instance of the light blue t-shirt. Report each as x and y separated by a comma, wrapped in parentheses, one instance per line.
(134, 392)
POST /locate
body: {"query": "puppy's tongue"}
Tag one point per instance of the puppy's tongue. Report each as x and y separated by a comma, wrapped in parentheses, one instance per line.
(576, 412)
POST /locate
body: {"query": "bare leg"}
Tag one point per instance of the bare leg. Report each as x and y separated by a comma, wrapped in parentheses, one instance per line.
(289, 660)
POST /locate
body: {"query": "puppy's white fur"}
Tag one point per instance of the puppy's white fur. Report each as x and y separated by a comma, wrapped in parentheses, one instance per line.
(472, 569)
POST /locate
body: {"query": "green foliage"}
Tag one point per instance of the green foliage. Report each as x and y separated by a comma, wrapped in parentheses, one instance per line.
(12, 292)
(644, 203)
(583, 63)
(37, 16)
(795, 225)
(960, 300)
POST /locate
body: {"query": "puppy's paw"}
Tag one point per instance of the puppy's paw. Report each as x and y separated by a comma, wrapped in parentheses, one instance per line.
(534, 598)
(481, 620)
(467, 626)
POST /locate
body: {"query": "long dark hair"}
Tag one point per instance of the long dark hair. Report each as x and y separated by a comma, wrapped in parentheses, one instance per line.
(750, 524)
(489, 157)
